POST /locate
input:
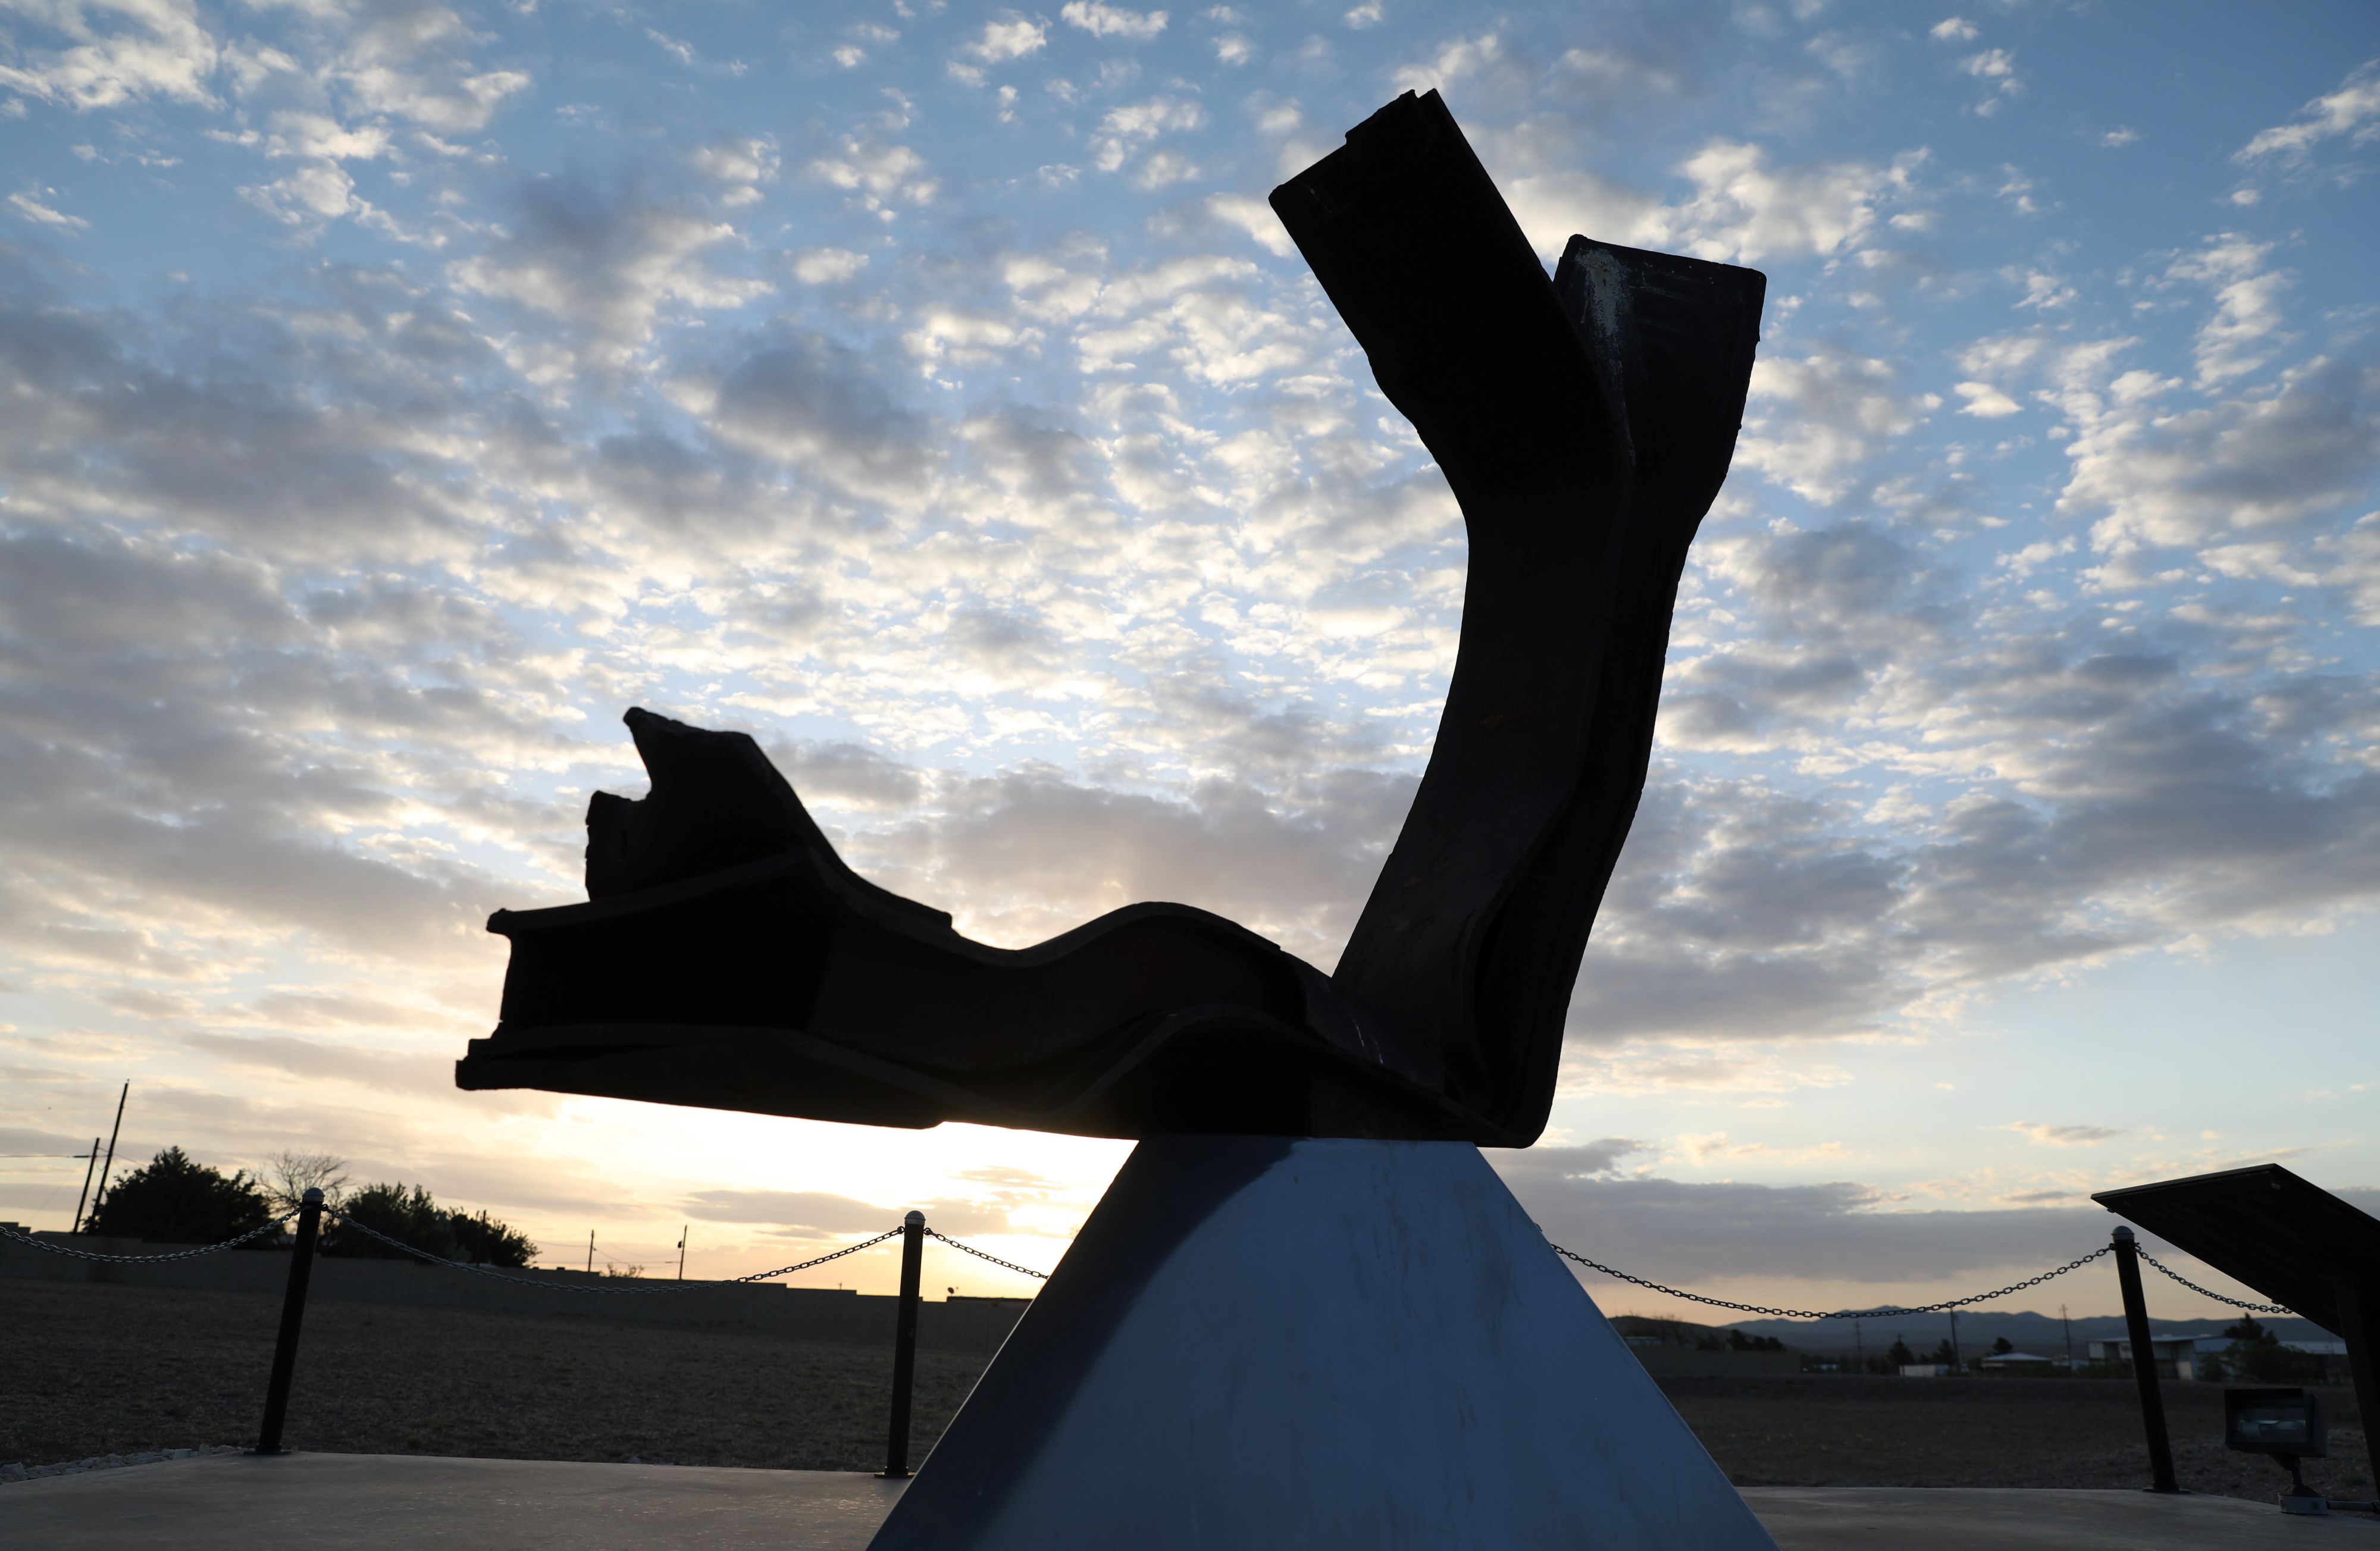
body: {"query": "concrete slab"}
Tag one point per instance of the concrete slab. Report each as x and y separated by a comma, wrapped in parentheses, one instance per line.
(379, 1502)
(389, 1502)
(2007, 1518)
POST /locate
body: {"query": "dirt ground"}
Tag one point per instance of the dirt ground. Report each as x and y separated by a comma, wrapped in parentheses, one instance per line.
(92, 1369)
(1837, 1430)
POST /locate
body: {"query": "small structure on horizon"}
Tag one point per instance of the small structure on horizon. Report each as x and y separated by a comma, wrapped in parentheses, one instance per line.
(2015, 1362)
(2176, 1356)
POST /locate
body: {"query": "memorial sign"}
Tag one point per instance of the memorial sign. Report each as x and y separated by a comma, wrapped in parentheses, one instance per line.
(2290, 1239)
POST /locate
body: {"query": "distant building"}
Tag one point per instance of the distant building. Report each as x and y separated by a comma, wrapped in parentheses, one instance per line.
(1924, 1370)
(2176, 1356)
(2016, 1362)
(2333, 1354)
(2181, 1357)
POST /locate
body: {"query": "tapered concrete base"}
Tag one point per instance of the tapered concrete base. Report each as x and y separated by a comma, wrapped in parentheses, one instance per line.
(1314, 1343)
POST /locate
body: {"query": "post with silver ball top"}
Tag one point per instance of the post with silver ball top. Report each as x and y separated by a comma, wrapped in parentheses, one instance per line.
(2145, 1374)
(293, 1315)
(905, 1346)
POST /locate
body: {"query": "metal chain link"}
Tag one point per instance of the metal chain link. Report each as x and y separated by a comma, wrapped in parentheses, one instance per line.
(1003, 1265)
(1831, 1313)
(32, 1243)
(595, 1288)
(2204, 1293)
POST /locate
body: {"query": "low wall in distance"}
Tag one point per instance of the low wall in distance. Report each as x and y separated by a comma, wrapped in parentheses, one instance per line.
(814, 1314)
(1684, 1361)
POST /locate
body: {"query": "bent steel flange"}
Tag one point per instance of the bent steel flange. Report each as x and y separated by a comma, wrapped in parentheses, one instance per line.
(728, 958)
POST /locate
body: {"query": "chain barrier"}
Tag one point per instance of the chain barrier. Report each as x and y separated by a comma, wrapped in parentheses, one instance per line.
(1885, 1312)
(31, 1242)
(371, 1233)
(595, 1288)
(2235, 1302)
(1003, 1265)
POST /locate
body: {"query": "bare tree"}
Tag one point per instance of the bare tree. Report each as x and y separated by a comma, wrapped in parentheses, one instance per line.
(289, 1175)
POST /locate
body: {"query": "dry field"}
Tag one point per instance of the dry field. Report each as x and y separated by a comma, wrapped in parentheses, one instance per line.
(1837, 1430)
(94, 1369)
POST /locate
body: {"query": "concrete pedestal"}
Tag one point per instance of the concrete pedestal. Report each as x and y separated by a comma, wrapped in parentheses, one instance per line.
(1267, 1342)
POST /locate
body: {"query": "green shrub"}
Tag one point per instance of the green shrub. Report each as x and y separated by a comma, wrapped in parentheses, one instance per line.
(486, 1242)
(412, 1215)
(2257, 1356)
(175, 1200)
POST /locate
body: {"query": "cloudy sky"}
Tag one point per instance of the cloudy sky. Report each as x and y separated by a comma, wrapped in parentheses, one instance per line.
(396, 394)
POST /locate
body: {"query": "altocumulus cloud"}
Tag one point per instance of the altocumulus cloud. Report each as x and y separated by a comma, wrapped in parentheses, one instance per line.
(967, 434)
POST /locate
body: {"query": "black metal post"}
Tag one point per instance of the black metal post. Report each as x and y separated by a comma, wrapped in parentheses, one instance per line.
(2145, 1374)
(905, 1344)
(293, 1315)
(2359, 1326)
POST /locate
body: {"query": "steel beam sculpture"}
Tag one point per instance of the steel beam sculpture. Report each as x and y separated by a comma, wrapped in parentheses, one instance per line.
(728, 958)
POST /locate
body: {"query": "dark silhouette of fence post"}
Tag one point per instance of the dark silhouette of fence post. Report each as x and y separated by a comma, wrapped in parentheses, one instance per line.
(905, 1344)
(2145, 1374)
(293, 1315)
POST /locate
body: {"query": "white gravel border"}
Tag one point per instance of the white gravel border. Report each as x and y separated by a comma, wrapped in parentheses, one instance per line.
(22, 1471)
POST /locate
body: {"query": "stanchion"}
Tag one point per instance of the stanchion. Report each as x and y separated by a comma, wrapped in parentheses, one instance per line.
(904, 1345)
(293, 1315)
(2145, 1374)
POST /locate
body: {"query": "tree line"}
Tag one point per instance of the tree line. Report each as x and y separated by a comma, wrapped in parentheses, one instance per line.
(176, 1199)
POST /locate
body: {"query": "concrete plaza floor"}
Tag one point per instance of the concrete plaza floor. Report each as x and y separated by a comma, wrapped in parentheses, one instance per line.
(374, 1502)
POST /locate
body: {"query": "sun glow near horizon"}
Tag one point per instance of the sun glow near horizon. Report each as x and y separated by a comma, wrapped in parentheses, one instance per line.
(935, 398)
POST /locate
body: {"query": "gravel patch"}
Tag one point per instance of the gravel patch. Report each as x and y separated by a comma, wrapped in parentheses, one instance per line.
(19, 1470)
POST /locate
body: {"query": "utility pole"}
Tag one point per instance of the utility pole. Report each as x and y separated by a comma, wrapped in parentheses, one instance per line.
(1859, 1342)
(93, 1156)
(2070, 1338)
(680, 1250)
(590, 1252)
(111, 1149)
(1955, 1363)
